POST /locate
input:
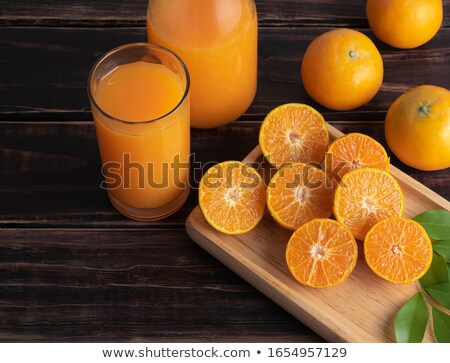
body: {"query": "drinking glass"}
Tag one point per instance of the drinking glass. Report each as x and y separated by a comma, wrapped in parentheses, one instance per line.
(145, 162)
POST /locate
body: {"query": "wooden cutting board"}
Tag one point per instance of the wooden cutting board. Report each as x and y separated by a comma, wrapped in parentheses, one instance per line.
(362, 309)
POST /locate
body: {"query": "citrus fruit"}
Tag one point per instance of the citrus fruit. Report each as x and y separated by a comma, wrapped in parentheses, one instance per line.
(398, 250)
(342, 69)
(354, 151)
(232, 197)
(293, 133)
(404, 23)
(417, 128)
(298, 193)
(366, 196)
(321, 253)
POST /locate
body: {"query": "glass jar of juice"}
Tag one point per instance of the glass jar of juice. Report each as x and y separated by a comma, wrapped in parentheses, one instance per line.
(218, 41)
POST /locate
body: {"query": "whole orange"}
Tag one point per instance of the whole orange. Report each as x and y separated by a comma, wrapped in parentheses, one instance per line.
(342, 69)
(404, 23)
(418, 128)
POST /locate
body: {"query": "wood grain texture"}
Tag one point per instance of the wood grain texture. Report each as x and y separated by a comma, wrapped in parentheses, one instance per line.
(361, 309)
(128, 285)
(53, 85)
(345, 13)
(50, 172)
(71, 268)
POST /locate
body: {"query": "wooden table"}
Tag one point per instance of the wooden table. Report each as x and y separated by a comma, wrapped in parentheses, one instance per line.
(71, 268)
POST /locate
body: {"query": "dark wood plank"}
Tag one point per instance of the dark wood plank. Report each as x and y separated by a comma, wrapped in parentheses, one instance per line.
(54, 171)
(94, 285)
(335, 13)
(44, 71)
(50, 172)
(342, 13)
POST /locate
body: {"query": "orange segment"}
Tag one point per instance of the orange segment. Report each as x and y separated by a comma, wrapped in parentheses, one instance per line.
(293, 133)
(298, 193)
(321, 253)
(398, 250)
(232, 197)
(366, 196)
(354, 151)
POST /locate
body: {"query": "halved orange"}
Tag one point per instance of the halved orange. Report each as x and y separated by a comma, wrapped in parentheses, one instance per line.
(232, 197)
(321, 253)
(398, 250)
(354, 151)
(293, 133)
(366, 196)
(298, 193)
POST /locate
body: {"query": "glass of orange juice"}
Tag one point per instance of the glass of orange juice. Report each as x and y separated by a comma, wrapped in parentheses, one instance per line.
(139, 96)
(218, 41)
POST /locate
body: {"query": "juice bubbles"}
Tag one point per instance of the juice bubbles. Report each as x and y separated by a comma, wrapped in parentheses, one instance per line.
(141, 116)
(218, 41)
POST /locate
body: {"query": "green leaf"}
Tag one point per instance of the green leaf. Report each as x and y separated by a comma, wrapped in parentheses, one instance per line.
(441, 322)
(436, 274)
(436, 222)
(440, 293)
(411, 320)
(443, 248)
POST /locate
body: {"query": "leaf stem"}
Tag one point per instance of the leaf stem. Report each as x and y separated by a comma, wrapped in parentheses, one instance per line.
(430, 301)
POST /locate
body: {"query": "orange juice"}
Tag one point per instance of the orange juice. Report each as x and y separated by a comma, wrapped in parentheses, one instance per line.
(139, 92)
(217, 39)
(141, 118)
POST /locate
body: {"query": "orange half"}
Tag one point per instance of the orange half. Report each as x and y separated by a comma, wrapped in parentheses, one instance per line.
(366, 196)
(321, 253)
(398, 250)
(354, 151)
(293, 133)
(298, 193)
(232, 197)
